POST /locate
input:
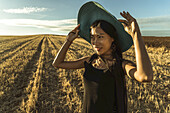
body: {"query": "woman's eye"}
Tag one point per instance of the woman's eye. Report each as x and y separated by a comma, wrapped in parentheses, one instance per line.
(100, 36)
(92, 36)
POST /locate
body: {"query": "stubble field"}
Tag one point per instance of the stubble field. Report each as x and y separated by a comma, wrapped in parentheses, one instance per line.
(29, 83)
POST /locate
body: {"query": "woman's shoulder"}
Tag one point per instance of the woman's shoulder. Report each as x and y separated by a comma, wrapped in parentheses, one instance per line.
(91, 58)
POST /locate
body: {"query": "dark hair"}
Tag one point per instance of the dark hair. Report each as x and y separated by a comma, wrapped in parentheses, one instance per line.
(111, 31)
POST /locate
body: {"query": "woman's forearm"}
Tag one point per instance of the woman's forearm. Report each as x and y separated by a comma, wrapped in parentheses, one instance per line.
(144, 67)
(144, 71)
(62, 53)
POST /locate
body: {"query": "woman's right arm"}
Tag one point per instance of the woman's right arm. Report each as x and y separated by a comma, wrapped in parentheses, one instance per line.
(59, 59)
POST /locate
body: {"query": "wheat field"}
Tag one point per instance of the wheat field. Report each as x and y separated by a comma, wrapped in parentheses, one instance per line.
(30, 84)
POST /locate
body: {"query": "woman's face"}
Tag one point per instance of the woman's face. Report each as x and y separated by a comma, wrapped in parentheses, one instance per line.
(101, 41)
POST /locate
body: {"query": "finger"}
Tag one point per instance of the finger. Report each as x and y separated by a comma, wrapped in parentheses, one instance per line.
(77, 32)
(123, 14)
(72, 32)
(123, 21)
(129, 15)
(76, 27)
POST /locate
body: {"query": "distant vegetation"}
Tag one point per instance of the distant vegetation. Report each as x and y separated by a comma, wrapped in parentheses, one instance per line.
(29, 82)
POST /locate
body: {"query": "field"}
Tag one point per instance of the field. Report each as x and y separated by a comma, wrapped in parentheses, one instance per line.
(29, 83)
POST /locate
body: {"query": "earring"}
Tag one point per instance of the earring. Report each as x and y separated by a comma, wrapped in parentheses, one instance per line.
(113, 46)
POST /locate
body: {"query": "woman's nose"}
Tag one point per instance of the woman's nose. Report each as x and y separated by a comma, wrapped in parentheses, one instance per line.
(95, 41)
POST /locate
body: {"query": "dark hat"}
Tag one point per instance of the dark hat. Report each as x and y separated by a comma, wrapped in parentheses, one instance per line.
(93, 11)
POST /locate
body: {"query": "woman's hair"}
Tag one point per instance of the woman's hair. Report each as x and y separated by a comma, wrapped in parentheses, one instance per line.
(111, 31)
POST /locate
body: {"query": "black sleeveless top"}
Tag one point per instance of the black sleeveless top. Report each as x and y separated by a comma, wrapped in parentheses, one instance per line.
(99, 90)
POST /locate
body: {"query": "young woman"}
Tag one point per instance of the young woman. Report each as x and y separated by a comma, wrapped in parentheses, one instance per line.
(104, 81)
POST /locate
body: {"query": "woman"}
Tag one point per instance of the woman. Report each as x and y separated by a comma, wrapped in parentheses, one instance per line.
(104, 81)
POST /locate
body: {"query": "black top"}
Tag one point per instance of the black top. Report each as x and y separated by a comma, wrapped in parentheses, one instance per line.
(99, 90)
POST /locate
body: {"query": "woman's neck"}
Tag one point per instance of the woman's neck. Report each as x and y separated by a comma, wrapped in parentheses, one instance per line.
(108, 57)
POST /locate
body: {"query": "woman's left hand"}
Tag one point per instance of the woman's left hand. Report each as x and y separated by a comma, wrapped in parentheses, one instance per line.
(130, 24)
(143, 71)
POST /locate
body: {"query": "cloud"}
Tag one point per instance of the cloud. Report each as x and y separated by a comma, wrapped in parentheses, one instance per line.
(25, 10)
(155, 23)
(65, 25)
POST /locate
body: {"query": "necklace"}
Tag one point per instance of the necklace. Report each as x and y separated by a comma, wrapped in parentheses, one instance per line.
(107, 64)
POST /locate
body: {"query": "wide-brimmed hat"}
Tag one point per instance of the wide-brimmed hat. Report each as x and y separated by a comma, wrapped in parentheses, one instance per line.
(93, 11)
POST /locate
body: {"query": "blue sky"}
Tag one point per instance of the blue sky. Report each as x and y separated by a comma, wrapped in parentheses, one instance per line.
(27, 17)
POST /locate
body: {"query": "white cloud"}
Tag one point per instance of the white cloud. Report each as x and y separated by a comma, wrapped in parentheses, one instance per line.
(53, 25)
(66, 25)
(155, 23)
(25, 10)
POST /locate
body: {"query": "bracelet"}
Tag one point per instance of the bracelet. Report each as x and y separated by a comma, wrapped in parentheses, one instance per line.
(71, 32)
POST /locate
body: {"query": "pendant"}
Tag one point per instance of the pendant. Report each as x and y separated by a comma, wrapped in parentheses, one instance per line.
(105, 70)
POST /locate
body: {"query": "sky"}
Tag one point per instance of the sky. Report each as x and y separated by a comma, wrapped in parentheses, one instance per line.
(28, 17)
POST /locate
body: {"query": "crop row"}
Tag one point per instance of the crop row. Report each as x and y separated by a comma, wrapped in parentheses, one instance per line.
(32, 90)
(15, 74)
(10, 45)
(29, 82)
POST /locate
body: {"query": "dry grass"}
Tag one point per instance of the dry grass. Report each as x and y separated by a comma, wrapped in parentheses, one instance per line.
(29, 82)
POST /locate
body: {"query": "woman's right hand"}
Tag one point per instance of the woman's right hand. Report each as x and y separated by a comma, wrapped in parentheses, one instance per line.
(73, 34)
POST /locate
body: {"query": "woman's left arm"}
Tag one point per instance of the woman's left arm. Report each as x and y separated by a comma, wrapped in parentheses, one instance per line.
(143, 72)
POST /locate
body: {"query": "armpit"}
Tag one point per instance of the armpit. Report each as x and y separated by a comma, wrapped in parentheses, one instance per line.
(127, 62)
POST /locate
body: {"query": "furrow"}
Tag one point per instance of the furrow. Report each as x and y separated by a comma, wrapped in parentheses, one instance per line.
(29, 103)
(13, 90)
(71, 83)
(12, 45)
(17, 49)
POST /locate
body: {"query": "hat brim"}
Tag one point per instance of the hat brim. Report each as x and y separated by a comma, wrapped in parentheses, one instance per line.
(92, 11)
